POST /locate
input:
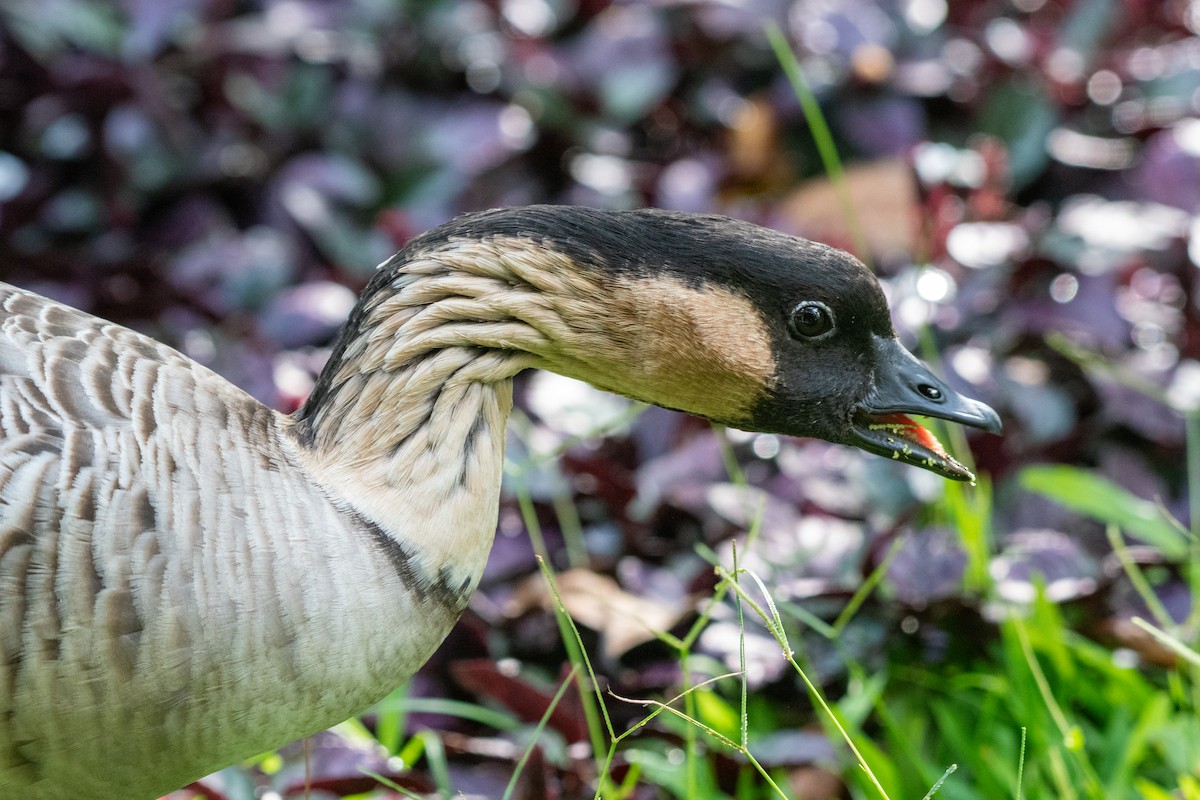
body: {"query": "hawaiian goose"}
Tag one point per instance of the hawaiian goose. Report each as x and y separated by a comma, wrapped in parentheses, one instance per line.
(188, 578)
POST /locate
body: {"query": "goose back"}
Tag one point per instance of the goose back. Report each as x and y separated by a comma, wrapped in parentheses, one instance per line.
(158, 533)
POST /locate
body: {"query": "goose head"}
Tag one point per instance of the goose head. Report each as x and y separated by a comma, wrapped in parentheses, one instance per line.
(743, 325)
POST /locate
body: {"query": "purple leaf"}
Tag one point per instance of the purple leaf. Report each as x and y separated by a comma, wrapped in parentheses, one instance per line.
(1048, 557)
(928, 567)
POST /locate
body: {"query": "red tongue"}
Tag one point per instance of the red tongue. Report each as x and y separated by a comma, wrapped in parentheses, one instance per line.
(907, 428)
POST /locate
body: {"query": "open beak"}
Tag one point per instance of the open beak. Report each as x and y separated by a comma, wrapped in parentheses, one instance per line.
(903, 386)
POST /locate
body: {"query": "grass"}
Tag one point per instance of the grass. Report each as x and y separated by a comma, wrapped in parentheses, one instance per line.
(1039, 711)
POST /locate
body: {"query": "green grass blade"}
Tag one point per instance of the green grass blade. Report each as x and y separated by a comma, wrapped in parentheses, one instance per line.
(537, 732)
(499, 720)
(821, 134)
(1093, 496)
(1168, 641)
(950, 770)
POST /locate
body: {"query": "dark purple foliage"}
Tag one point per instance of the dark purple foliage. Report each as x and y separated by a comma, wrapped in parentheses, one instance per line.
(224, 176)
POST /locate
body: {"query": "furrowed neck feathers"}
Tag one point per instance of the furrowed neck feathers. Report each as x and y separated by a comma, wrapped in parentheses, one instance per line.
(450, 312)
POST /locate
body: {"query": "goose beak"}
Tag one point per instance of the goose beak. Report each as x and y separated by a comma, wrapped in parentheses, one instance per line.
(903, 385)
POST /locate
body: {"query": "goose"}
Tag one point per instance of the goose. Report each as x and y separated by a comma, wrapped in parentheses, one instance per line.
(189, 578)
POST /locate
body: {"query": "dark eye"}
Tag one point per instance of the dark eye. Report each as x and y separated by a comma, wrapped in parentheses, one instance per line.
(810, 320)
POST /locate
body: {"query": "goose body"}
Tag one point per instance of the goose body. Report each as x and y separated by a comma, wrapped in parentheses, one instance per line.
(188, 578)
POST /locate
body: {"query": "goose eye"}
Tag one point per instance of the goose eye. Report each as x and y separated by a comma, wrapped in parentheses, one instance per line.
(810, 320)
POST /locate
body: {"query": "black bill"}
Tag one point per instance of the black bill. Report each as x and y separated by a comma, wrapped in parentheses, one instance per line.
(903, 386)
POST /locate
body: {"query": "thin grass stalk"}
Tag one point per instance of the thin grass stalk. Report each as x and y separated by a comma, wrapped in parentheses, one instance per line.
(690, 742)
(1063, 781)
(561, 609)
(390, 715)
(716, 735)
(1168, 641)
(1192, 429)
(821, 134)
(388, 783)
(1021, 762)
(1137, 577)
(571, 527)
(1072, 736)
(865, 589)
(537, 732)
(573, 643)
(775, 625)
(950, 770)
(439, 767)
(745, 714)
(501, 721)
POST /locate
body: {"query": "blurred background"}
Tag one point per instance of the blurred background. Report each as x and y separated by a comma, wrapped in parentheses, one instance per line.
(1024, 175)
